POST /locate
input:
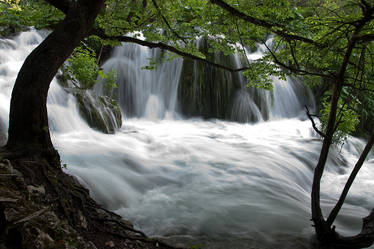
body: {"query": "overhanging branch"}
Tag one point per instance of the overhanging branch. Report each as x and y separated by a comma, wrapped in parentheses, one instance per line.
(262, 23)
(62, 5)
(310, 116)
(292, 69)
(166, 21)
(365, 38)
(168, 48)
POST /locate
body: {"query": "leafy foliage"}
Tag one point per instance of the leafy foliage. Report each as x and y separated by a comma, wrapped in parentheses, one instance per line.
(322, 42)
(182, 24)
(16, 14)
(82, 68)
(261, 74)
(348, 120)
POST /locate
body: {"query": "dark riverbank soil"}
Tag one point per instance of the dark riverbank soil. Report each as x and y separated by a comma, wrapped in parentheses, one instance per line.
(42, 207)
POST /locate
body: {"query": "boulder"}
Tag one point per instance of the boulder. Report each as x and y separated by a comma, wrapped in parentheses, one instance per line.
(100, 112)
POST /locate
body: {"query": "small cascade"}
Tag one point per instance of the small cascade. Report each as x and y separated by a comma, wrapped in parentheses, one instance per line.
(138, 88)
(289, 98)
(215, 93)
(244, 110)
(249, 104)
(154, 109)
(286, 100)
(12, 54)
(64, 104)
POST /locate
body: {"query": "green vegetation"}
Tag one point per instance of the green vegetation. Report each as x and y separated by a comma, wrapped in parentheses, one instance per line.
(15, 15)
(327, 44)
(309, 41)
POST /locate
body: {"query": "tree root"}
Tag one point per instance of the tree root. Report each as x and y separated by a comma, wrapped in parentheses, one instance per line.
(364, 239)
(121, 224)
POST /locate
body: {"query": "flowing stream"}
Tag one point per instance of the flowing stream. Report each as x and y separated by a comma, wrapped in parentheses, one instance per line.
(208, 183)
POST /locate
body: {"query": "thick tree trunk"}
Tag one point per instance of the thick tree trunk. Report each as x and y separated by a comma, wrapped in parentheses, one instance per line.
(28, 119)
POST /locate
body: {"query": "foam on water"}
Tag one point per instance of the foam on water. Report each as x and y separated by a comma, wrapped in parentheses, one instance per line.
(218, 183)
(212, 179)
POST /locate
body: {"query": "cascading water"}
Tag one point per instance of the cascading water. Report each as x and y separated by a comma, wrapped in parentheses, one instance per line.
(144, 93)
(217, 93)
(216, 184)
(286, 100)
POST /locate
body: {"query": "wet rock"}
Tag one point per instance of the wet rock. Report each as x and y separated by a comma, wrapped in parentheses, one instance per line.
(110, 244)
(11, 214)
(10, 30)
(5, 166)
(91, 245)
(34, 238)
(7, 170)
(207, 91)
(39, 190)
(52, 220)
(100, 112)
(82, 219)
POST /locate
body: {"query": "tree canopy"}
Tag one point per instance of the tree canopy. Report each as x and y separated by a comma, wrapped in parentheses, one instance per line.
(309, 40)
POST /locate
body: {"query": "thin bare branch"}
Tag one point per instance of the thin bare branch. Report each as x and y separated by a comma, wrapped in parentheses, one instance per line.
(292, 48)
(166, 22)
(310, 116)
(293, 69)
(351, 178)
(168, 48)
(274, 27)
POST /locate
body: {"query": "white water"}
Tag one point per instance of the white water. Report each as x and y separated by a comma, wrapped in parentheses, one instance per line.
(141, 92)
(217, 183)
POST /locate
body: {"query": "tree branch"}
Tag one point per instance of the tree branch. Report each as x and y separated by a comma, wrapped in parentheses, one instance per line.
(62, 5)
(351, 178)
(292, 49)
(167, 23)
(310, 116)
(365, 38)
(293, 69)
(166, 47)
(263, 23)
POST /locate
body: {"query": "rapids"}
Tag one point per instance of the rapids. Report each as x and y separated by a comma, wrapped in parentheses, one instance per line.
(207, 183)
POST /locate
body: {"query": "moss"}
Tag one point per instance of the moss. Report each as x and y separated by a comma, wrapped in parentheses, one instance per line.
(100, 112)
(206, 91)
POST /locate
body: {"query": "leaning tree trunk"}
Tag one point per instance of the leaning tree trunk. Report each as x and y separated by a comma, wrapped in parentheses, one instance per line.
(28, 119)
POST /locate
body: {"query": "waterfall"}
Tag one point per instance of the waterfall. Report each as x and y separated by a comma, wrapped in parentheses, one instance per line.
(142, 92)
(12, 55)
(216, 93)
(215, 183)
(286, 100)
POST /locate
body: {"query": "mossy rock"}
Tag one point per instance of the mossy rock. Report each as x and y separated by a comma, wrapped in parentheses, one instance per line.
(206, 91)
(100, 112)
(11, 30)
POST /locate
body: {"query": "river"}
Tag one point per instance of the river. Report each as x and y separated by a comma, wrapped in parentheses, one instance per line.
(207, 183)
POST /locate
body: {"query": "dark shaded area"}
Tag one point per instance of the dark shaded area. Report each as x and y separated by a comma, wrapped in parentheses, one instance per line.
(205, 90)
(42, 207)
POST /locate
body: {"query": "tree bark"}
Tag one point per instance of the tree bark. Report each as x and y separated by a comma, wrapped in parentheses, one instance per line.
(28, 119)
(325, 233)
(322, 230)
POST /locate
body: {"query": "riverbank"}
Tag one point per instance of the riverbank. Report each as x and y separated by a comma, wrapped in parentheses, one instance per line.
(42, 207)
